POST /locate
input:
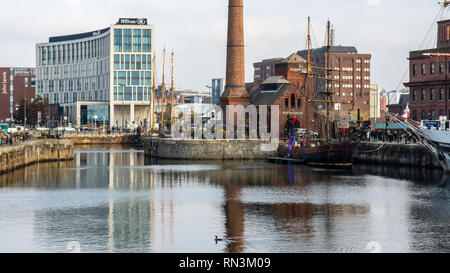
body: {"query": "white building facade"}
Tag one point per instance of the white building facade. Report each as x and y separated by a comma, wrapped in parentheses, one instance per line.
(101, 77)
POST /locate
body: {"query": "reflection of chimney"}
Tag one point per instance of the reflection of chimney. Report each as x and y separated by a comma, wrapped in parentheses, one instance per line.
(235, 92)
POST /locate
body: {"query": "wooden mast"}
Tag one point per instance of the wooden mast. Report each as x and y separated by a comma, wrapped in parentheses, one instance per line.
(328, 81)
(153, 91)
(172, 91)
(163, 88)
(308, 76)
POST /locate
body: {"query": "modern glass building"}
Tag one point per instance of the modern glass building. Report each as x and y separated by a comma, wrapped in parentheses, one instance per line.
(107, 72)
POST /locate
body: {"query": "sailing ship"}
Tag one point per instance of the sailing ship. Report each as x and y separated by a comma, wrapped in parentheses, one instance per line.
(328, 152)
(436, 139)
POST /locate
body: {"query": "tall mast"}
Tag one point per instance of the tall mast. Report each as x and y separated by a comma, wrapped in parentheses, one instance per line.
(153, 91)
(172, 91)
(328, 77)
(163, 90)
(308, 74)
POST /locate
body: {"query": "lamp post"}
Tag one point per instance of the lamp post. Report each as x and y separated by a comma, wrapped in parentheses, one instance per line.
(95, 121)
(25, 106)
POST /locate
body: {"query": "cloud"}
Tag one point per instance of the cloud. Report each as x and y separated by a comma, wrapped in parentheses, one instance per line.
(197, 30)
(373, 2)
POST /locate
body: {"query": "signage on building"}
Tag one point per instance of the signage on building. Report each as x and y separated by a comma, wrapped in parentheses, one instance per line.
(132, 21)
(431, 123)
(4, 85)
(292, 113)
(343, 124)
(24, 72)
(298, 69)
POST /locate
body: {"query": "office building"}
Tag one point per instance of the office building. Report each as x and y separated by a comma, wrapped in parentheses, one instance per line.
(100, 76)
(16, 84)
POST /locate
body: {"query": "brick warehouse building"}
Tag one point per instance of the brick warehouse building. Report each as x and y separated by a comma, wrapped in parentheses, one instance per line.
(351, 79)
(351, 76)
(15, 81)
(429, 79)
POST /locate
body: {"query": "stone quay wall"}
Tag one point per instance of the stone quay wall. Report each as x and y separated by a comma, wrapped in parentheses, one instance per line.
(395, 154)
(30, 152)
(103, 139)
(206, 149)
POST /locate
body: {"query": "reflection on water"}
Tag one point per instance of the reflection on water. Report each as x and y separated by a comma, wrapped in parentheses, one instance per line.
(112, 199)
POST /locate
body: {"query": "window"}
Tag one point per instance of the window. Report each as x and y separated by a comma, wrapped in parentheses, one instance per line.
(122, 78)
(146, 40)
(128, 94)
(441, 94)
(432, 68)
(441, 113)
(441, 68)
(138, 62)
(118, 40)
(414, 95)
(135, 78)
(116, 61)
(286, 102)
(137, 40)
(127, 61)
(414, 115)
(432, 95)
(293, 100)
(127, 40)
(432, 115)
(424, 115)
(424, 69)
(423, 95)
(299, 103)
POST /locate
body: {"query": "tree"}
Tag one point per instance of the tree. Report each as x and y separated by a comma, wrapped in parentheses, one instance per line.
(38, 105)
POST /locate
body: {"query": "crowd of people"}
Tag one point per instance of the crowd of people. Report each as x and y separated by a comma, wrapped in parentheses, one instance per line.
(391, 137)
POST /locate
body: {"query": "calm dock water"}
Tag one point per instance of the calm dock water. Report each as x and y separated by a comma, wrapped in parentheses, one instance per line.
(111, 199)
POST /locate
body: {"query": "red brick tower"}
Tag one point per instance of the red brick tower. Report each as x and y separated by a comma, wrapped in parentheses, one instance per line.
(235, 92)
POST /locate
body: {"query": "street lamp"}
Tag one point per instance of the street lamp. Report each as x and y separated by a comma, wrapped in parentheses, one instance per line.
(95, 121)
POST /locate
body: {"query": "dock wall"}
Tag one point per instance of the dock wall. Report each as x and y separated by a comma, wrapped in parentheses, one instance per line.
(395, 154)
(206, 149)
(103, 139)
(27, 153)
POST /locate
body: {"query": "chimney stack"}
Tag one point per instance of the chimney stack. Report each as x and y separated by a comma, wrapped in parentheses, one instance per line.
(235, 92)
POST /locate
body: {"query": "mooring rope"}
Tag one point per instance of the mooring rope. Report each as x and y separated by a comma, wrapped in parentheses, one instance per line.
(376, 150)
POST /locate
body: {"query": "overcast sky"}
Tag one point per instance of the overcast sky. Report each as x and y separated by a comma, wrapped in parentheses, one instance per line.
(196, 29)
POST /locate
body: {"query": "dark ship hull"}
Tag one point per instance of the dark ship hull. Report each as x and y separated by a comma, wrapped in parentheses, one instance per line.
(326, 155)
(336, 155)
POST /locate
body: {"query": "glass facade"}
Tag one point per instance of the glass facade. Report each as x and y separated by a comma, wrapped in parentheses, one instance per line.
(132, 64)
(89, 112)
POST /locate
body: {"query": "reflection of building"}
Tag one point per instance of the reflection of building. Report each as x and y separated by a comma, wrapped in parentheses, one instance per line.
(428, 79)
(14, 83)
(106, 71)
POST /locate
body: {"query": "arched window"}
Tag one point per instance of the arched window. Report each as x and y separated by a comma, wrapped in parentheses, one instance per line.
(293, 100)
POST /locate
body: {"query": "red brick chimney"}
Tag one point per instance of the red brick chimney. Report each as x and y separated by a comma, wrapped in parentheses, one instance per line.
(235, 92)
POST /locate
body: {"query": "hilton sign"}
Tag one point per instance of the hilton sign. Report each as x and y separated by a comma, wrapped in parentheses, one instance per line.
(4, 85)
(132, 21)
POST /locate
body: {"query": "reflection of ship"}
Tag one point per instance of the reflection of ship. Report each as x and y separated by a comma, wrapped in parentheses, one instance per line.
(336, 150)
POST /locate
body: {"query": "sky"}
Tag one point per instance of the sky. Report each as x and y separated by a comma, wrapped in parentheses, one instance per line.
(196, 30)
